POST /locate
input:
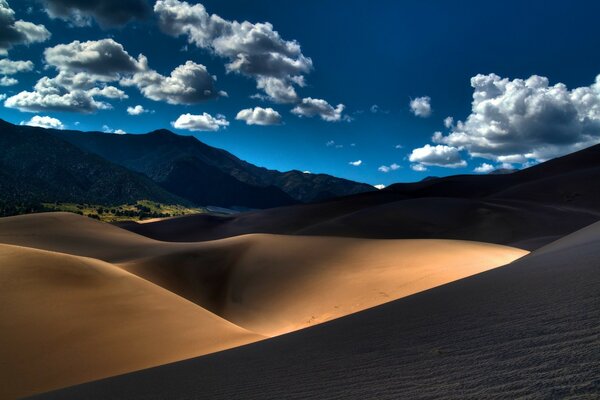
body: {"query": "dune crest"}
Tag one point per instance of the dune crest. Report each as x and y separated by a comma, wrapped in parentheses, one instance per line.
(67, 320)
(120, 302)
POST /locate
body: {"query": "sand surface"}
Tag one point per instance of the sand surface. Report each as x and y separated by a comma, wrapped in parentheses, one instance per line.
(117, 301)
(526, 330)
(67, 319)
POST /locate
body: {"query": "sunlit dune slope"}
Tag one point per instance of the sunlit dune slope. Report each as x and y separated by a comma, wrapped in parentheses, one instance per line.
(66, 320)
(526, 330)
(273, 284)
(268, 284)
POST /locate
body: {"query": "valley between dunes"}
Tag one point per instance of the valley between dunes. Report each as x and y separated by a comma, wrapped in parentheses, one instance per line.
(82, 300)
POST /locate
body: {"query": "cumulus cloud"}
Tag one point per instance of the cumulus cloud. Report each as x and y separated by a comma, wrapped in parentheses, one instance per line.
(484, 168)
(189, 83)
(137, 110)
(418, 167)
(44, 122)
(9, 67)
(105, 59)
(449, 122)
(15, 32)
(203, 122)
(356, 163)
(108, 13)
(310, 107)
(259, 116)
(8, 81)
(523, 120)
(65, 92)
(388, 168)
(440, 156)
(85, 70)
(421, 106)
(253, 50)
(108, 129)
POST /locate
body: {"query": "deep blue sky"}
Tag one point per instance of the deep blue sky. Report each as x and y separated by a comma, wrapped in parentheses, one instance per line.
(364, 53)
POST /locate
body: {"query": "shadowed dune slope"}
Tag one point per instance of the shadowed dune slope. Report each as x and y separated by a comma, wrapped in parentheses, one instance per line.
(527, 225)
(529, 329)
(66, 320)
(269, 284)
(273, 284)
(528, 208)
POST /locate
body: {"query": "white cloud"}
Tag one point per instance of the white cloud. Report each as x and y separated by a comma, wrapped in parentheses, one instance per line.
(484, 168)
(259, 116)
(65, 92)
(440, 156)
(448, 122)
(523, 120)
(86, 68)
(105, 59)
(137, 110)
(356, 163)
(44, 122)
(108, 13)
(421, 106)
(254, 50)
(8, 81)
(379, 187)
(108, 129)
(398, 146)
(15, 32)
(418, 167)
(189, 83)
(386, 168)
(9, 67)
(310, 107)
(375, 109)
(204, 122)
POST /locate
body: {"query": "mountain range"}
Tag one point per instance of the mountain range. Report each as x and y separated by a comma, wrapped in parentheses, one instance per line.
(49, 165)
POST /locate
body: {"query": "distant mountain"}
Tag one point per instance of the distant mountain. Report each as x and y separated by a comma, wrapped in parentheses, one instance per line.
(526, 208)
(157, 152)
(36, 167)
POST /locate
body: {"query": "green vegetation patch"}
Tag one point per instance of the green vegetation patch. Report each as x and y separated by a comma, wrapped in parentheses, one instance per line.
(138, 211)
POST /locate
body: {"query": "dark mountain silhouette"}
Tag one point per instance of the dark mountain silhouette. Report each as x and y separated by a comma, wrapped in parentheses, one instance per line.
(36, 167)
(157, 152)
(527, 209)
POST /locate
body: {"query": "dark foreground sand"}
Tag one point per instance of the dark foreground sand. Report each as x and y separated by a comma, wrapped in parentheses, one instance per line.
(530, 330)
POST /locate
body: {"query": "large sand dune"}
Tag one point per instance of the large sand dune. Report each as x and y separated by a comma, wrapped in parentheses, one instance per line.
(526, 330)
(67, 319)
(273, 284)
(101, 318)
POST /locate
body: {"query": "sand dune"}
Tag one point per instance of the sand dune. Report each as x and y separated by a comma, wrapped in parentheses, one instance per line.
(66, 320)
(526, 330)
(89, 319)
(273, 284)
(268, 284)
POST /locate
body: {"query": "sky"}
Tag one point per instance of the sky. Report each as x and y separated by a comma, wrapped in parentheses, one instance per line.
(377, 92)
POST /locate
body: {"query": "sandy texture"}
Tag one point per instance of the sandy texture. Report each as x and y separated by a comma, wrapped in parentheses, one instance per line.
(273, 284)
(67, 320)
(527, 330)
(129, 311)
